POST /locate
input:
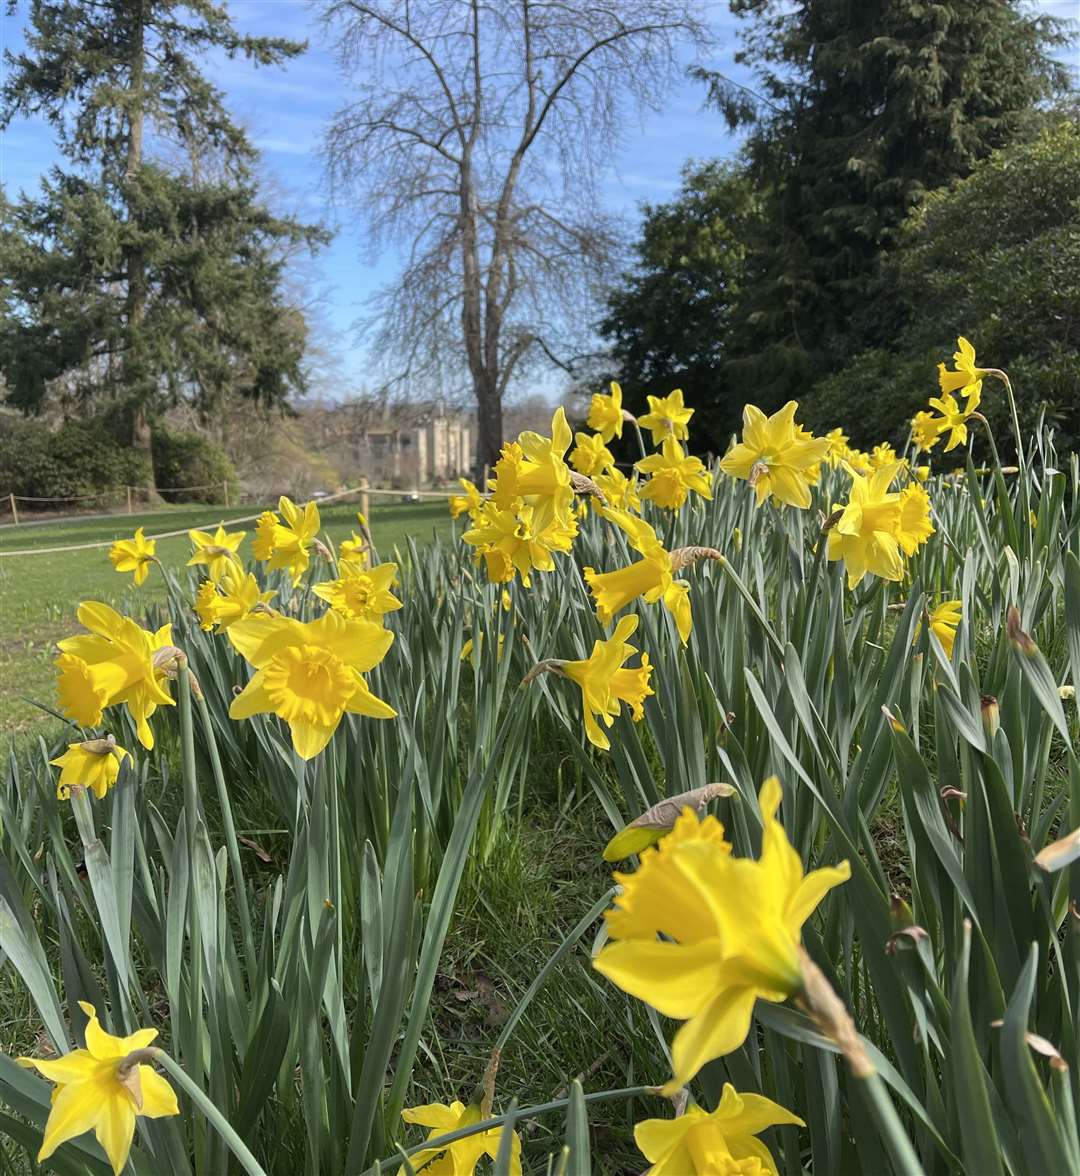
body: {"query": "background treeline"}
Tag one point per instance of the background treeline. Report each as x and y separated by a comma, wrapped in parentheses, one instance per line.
(910, 171)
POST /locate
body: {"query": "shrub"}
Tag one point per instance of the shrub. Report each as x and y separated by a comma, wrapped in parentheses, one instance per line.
(189, 460)
(79, 458)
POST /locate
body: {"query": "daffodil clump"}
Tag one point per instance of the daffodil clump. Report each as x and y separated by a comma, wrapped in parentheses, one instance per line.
(702, 935)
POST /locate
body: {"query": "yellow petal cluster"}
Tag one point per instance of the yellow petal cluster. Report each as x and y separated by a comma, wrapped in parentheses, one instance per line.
(966, 379)
(668, 416)
(944, 620)
(467, 503)
(720, 1143)
(606, 682)
(284, 542)
(112, 665)
(460, 1158)
(93, 764)
(606, 413)
(530, 512)
(700, 935)
(92, 1093)
(134, 555)
(651, 577)
(590, 456)
(878, 524)
(310, 673)
(235, 597)
(673, 474)
(775, 458)
(217, 552)
(361, 594)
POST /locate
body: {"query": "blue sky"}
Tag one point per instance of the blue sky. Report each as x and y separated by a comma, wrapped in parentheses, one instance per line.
(286, 111)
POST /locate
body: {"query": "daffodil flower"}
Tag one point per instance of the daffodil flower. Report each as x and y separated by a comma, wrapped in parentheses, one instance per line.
(310, 674)
(605, 684)
(112, 665)
(731, 929)
(93, 764)
(134, 555)
(774, 458)
(362, 595)
(866, 535)
(216, 552)
(915, 527)
(703, 1143)
(943, 622)
(284, 544)
(672, 475)
(667, 417)
(606, 414)
(235, 598)
(926, 430)
(516, 540)
(954, 418)
(966, 372)
(95, 1090)
(590, 456)
(468, 503)
(459, 1158)
(618, 490)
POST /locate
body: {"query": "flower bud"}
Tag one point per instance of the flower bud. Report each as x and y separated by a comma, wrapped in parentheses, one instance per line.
(991, 718)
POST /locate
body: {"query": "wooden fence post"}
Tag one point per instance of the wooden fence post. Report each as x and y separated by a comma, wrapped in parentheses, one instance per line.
(128, 489)
(14, 509)
(225, 487)
(365, 510)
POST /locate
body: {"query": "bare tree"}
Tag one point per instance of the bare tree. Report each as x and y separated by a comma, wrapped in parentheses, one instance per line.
(475, 138)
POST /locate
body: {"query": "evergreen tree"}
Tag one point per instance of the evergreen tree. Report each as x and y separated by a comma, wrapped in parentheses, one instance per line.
(869, 105)
(669, 322)
(130, 279)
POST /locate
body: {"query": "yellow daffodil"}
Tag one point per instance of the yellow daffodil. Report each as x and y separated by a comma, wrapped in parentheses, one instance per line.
(359, 594)
(618, 490)
(537, 472)
(356, 548)
(943, 622)
(284, 544)
(672, 475)
(652, 577)
(217, 552)
(926, 430)
(310, 673)
(966, 372)
(667, 417)
(590, 456)
(773, 458)
(460, 1158)
(93, 1091)
(93, 764)
(720, 1143)
(859, 462)
(915, 527)
(468, 503)
(953, 419)
(234, 599)
(884, 455)
(838, 447)
(134, 555)
(606, 413)
(111, 665)
(866, 535)
(731, 931)
(605, 683)
(467, 648)
(514, 541)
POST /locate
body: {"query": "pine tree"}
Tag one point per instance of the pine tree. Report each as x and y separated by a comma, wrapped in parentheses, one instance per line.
(132, 279)
(870, 105)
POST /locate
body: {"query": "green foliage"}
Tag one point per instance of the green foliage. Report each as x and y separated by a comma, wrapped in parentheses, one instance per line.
(78, 458)
(670, 322)
(189, 459)
(128, 279)
(995, 257)
(864, 109)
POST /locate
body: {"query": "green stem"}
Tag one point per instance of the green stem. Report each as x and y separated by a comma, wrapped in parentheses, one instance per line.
(213, 1116)
(560, 1104)
(897, 1145)
(231, 842)
(640, 439)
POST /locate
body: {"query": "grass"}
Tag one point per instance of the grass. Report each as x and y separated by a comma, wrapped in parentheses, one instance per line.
(38, 591)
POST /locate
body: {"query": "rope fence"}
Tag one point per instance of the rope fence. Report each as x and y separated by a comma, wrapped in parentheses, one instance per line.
(363, 491)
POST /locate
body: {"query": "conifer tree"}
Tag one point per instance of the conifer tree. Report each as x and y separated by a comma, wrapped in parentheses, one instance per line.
(132, 278)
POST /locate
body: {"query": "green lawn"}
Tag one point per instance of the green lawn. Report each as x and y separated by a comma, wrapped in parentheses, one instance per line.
(39, 593)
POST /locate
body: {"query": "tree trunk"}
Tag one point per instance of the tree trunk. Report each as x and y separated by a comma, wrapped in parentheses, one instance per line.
(489, 434)
(135, 376)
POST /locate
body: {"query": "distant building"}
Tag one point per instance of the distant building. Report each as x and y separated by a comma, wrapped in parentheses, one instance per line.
(438, 450)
